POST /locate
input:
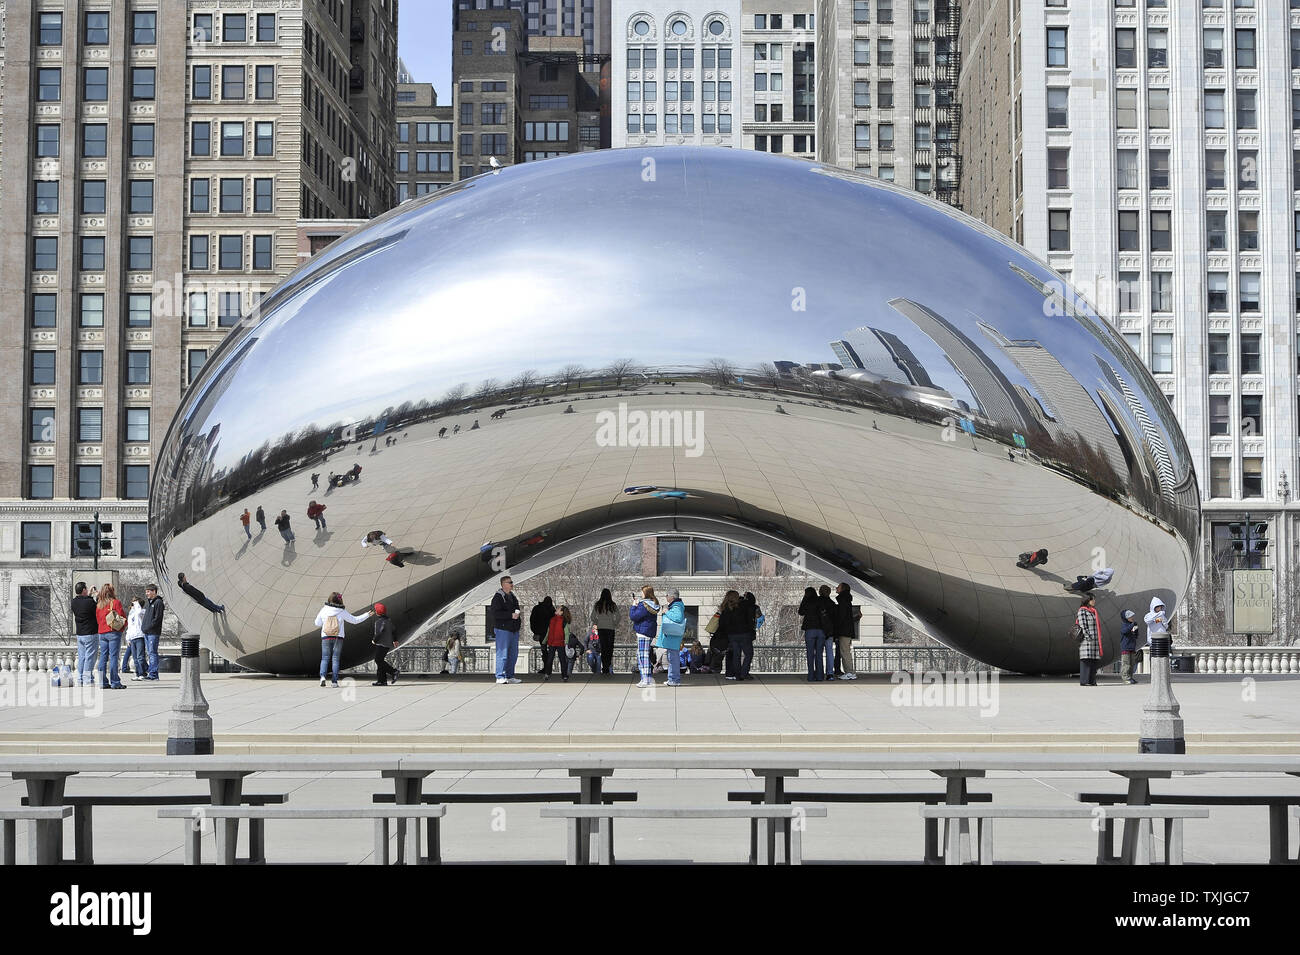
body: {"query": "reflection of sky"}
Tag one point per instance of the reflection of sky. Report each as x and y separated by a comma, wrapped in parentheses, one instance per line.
(536, 268)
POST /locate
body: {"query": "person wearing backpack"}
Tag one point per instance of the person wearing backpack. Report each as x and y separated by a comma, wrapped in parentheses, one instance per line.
(814, 634)
(539, 622)
(455, 651)
(604, 617)
(331, 618)
(382, 641)
(112, 621)
(672, 628)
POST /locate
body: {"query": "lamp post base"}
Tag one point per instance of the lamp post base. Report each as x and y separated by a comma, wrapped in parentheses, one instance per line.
(1178, 746)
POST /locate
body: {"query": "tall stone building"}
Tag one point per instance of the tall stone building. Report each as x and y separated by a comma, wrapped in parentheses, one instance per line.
(156, 160)
(424, 152)
(1148, 153)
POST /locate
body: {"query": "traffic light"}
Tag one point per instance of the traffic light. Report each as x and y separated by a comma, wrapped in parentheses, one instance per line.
(1259, 537)
(92, 539)
(1238, 543)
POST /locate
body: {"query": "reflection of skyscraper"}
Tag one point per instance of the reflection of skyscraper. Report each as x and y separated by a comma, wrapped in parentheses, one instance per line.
(884, 355)
(1152, 437)
(1071, 407)
(995, 394)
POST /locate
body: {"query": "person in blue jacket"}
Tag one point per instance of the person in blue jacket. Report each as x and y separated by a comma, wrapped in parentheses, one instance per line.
(644, 614)
(672, 629)
(1128, 641)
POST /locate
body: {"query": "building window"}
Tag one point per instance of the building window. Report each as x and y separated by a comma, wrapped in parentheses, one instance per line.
(1158, 160)
(44, 310)
(90, 368)
(1246, 113)
(1161, 232)
(1252, 414)
(234, 28)
(266, 28)
(198, 306)
(1250, 363)
(1126, 110)
(232, 139)
(51, 29)
(232, 83)
(1216, 286)
(1058, 168)
(1252, 469)
(94, 140)
(135, 539)
(45, 253)
(41, 426)
(92, 253)
(1162, 291)
(94, 85)
(1058, 230)
(1220, 415)
(141, 197)
(1056, 46)
(1217, 355)
(137, 482)
(88, 482)
(1248, 231)
(1129, 236)
(47, 197)
(1220, 477)
(198, 253)
(202, 32)
(1215, 169)
(142, 140)
(262, 253)
(200, 139)
(36, 536)
(42, 367)
(96, 32)
(1126, 169)
(1157, 49)
(1214, 109)
(139, 310)
(1130, 291)
(232, 195)
(1245, 50)
(1212, 49)
(1162, 354)
(140, 253)
(1125, 49)
(90, 425)
(263, 194)
(92, 310)
(137, 367)
(230, 254)
(195, 358)
(49, 85)
(142, 82)
(199, 195)
(1247, 170)
(1058, 107)
(263, 139)
(47, 141)
(1249, 288)
(885, 136)
(40, 481)
(229, 309)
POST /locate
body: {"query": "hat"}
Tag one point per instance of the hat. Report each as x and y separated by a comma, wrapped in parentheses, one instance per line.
(381, 609)
(1127, 615)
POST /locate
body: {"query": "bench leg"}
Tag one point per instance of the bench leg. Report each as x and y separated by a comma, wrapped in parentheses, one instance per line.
(794, 855)
(766, 844)
(1145, 843)
(83, 838)
(257, 841)
(411, 840)
(433, 838)
(381, 841)
(1106, 841)
(227, 839)
(1139, 794)
(604, 832)
(986, 841)
(1277, 835)
(951, 842)
(10, 854)
(1173, 842)
(753, 840)
(571, 846)
(932, 856)
(193, 842)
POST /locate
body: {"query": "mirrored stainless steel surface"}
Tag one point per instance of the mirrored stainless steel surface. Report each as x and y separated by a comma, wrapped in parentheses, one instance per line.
(700, 341)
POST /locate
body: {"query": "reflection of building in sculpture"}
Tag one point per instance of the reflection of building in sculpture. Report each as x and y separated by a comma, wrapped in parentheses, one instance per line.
(880, 360)
(996, 396)
(1070, 409)
(1152, 438)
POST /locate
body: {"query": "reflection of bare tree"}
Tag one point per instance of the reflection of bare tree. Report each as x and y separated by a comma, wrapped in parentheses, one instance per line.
(767, 372)
(50, 598)
(722, 371)
(619, 369)
(131, 584)
(569, 374)
(1204, 612)
(455, 394)
(578, 583)
(487, 389)
(778, 598)
(521, 382)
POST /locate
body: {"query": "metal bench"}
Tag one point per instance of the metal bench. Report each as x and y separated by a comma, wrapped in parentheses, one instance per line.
(45, 819)
(602, 819)
(1145, 844)
(381, 817)
(1278, 837)
(932, 855)
(83, 838)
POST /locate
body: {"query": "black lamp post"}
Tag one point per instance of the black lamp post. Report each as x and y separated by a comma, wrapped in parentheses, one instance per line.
(1250, 537)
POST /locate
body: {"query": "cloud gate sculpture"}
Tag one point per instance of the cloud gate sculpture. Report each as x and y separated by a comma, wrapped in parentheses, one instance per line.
(706, 342)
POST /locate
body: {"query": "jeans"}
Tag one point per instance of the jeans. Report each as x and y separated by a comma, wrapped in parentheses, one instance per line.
(135, 649)
(320, 522)
(87, 648)
(829, 649)
(606, 650)
(453, 664)
(248, 532)
(331, 648)
(261, 522)
(287, 535)
(548, 654)
(507, 652)
(740, 654)
(384, 671)
(110, 647)
(815, 644)
(151, 650)
(674, 665)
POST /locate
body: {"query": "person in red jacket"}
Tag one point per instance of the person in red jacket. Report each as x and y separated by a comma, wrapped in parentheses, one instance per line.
(110, 639)
(316, 512)
(557, 636)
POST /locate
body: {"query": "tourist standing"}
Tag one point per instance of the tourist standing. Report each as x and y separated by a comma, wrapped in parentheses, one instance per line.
(672, 629)
(282, 524)
(455, 651)
(1128, 642)
(750, 613)
(316, 512)
(135, 639)
(828, 616)
(331, 618)
(383, 644)
(604, 617)
(1088, 630)
(505, 629)
(539, 623)
(152, 626)
(111, 620)
(846, 626)
(87, 627)
(557, 638)
(731, 626)
(261, 518)
(814, 627)
(244, 518)
(1156, 621)
(644, 614)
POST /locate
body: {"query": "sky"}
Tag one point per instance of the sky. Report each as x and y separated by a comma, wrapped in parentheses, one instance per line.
(424, 43)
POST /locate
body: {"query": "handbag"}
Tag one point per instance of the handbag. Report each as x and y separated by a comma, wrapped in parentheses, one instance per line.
(114, 620)
(712, 625)
(1077, 632)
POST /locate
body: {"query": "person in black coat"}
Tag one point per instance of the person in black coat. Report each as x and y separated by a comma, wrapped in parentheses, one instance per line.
(845, 631)
(732, 626)
(539, 621)
(505, 628)
(814, 624)
(382, 641)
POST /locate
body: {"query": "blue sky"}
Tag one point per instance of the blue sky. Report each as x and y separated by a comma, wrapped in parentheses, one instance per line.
(424, 43)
